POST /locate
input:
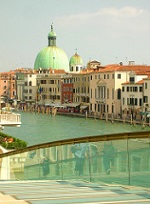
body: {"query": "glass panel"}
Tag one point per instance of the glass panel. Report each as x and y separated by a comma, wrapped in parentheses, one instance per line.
(139, 162)
(125, 162)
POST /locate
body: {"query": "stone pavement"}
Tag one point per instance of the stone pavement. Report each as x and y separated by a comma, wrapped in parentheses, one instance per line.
(69, 192)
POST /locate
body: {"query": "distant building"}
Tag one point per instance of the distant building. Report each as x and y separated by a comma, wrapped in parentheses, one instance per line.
(146, 94)
(7, 85)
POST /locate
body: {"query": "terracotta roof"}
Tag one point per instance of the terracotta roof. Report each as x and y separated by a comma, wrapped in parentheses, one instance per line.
(142, 69)
(139, 82)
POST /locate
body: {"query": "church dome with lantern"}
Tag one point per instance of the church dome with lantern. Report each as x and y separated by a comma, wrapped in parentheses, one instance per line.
(75, 63)
(52, 56)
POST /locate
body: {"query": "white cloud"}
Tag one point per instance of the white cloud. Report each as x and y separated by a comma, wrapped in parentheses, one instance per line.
(123, 12)
(104, 14)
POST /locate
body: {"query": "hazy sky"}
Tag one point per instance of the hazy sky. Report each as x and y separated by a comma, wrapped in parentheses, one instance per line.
(109, 31)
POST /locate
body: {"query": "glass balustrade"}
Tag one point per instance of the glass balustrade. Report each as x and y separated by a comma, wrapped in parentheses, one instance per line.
(110, 161)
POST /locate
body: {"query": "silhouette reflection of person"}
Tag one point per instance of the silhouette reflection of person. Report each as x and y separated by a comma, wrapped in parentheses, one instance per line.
(94, 154)
(109, 155)
(79, 151)
(45, 166)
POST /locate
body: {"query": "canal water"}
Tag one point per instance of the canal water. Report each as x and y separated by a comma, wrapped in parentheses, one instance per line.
(41, 128)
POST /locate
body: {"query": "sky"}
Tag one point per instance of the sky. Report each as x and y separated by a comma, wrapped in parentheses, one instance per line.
(109, 31)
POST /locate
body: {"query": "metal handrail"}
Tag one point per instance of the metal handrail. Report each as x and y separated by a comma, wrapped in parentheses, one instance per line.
(107, 137)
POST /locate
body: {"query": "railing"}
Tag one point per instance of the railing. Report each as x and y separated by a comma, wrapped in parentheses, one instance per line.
(122, 159)
(10, 119)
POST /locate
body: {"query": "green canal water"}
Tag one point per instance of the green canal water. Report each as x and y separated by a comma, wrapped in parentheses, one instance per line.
(40, 128)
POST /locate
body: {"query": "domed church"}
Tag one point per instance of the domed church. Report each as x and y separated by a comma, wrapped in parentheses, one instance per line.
(52, 56)
(76, 63)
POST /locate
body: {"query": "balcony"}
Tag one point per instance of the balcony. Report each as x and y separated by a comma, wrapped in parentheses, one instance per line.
(100, 100)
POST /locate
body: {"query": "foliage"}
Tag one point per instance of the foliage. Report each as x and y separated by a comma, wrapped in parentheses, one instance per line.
(14, 144)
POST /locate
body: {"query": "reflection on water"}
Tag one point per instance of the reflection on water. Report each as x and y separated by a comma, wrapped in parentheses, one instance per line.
(40, 128)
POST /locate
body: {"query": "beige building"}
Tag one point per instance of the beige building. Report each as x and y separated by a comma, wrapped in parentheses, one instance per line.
(146, 94)
(105, 86)
(132, 93)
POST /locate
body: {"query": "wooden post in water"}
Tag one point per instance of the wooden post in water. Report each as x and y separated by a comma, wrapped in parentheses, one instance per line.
(38, 109)
(86, 114)
(112, 118)
(106, 117)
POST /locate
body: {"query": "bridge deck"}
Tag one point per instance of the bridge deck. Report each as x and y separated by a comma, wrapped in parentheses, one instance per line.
(55, 192)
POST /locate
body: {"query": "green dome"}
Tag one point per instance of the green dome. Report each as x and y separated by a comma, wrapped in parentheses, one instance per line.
(52, 57)
(75, 60)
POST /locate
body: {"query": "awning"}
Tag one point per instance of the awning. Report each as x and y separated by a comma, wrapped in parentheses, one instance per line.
(142, 113)
(71, 105)
(83, 107)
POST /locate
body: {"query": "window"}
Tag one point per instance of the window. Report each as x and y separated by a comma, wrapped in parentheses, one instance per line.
(77, 69)
(119, 94)
(132, 80)
(145, 85)
(107, 93)
(123, 101)
(95, 93)
(113, 93)
(135, 101)
(91, 93)
(140, 102)
(135, 89)
(123, 89)
(119, 76)
(145, 99)
(43, 81)
(113, 76)
(140, 88)
(127, 88)
(107, 76)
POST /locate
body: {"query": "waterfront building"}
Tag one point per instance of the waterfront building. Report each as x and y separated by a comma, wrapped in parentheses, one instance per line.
(49, 86)
(30, 88)
(106, 89)
(146, 94)
(81, 88)
(52, 56)
(67, 89)
(106, 86)
(25, 78)
(7, 85)
(133, 93)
